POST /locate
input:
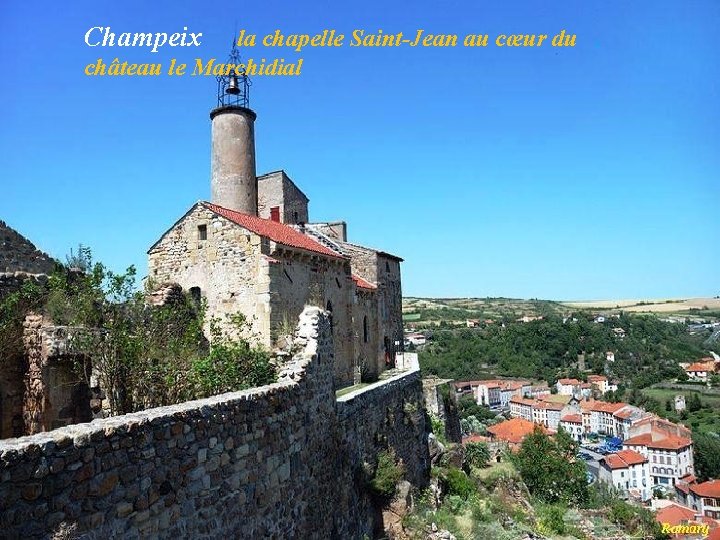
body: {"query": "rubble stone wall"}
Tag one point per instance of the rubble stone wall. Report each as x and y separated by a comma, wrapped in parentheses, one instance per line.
(286, 460)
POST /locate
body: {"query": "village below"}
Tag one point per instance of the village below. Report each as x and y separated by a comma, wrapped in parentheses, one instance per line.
(593, 419)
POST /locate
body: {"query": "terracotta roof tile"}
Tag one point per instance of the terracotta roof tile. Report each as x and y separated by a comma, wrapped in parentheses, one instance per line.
(572, 418)
(711, 489)
(658, 440)
(277, 232)
(701, 366)
(360, 282)
(514, 430)
(675, 514)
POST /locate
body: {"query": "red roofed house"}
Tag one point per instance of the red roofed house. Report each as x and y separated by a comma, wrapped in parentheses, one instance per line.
(599, 381)
(705, 498)
(602, 419)
(700, 371)
(682, 522)
(670, 456)
(627, 471)
(252, 251)
(512, 431)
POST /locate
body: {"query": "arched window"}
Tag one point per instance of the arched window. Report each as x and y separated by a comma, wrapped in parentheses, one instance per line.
(365, 329)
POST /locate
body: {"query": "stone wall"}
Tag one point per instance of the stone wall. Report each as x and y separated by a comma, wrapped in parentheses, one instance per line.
(227, 268)
(275, 189)
(439, 403)
(297, 280)
(13, 281)
(285, 460)
(18, 254)
(383, 270)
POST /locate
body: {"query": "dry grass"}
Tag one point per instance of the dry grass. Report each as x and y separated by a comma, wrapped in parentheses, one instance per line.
(654, 305)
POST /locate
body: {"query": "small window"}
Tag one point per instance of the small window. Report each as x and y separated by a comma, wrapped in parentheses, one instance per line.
(387, 266)
(275, 214)
(365, 330)
(196, 295)
(202, 232)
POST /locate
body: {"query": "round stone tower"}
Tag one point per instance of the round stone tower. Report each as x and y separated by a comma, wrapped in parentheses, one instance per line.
(233, 175)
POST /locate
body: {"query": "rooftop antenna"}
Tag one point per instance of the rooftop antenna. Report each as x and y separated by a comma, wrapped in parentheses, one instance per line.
(233, 90)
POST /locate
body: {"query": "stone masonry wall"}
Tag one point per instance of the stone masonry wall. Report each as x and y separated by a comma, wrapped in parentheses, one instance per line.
(227, 267)
(285, 460)
(276, 189)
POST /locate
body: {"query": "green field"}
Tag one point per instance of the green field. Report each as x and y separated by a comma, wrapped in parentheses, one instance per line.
(705, 420)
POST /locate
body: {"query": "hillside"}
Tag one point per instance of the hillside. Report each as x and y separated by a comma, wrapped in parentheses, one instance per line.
(433, 311)
(537, 339)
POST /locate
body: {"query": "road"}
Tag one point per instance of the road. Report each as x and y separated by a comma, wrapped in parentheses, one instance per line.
(592, 465)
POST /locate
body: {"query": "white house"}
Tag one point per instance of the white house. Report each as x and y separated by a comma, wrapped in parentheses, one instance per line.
(627, 471)
(705, 498)
(701, 371)
(573, 424)
(670, 456)
(568, 387)
(600, 382)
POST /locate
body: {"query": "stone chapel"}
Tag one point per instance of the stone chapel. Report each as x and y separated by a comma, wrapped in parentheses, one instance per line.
(252, 249)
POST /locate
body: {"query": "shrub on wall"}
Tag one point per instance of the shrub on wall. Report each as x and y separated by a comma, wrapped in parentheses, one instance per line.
(387, 474)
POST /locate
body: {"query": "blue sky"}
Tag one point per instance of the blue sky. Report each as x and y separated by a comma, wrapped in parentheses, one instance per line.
(578, 173)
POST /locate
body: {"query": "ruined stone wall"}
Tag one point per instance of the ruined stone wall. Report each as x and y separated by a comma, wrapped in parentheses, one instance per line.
(18, 254)
(54, 396)
(285, 460)
(13, 281)
(13, 364)
(439, 403)
(228, 267)
(276, 189)
(299, 280)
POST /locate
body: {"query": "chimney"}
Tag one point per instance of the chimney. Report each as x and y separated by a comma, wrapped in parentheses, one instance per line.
(233, 176)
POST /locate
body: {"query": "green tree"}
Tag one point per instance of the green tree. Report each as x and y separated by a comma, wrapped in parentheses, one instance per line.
(549, 468)
(694, 404)
(706, 451)
(477, 454)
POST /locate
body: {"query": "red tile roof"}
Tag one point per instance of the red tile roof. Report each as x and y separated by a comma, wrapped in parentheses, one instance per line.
(675, 514)
(710, 489)
(360, 282)
(597, 378)
(602, 406)
(701, 366)
(277, 232)
(569, 381)
(572, 418)
(514, 430)
(624, 413)
(631, 457)
(658, 440)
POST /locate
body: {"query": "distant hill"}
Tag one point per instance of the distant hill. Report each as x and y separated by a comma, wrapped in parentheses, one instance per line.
(458, 310)
(18, 254)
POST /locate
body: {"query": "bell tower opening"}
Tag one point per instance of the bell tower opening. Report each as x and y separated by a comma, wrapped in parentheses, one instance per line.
(233, 176)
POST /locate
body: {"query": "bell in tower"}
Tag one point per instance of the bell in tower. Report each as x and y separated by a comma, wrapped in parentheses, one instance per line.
(233, 179)
(233, 88)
